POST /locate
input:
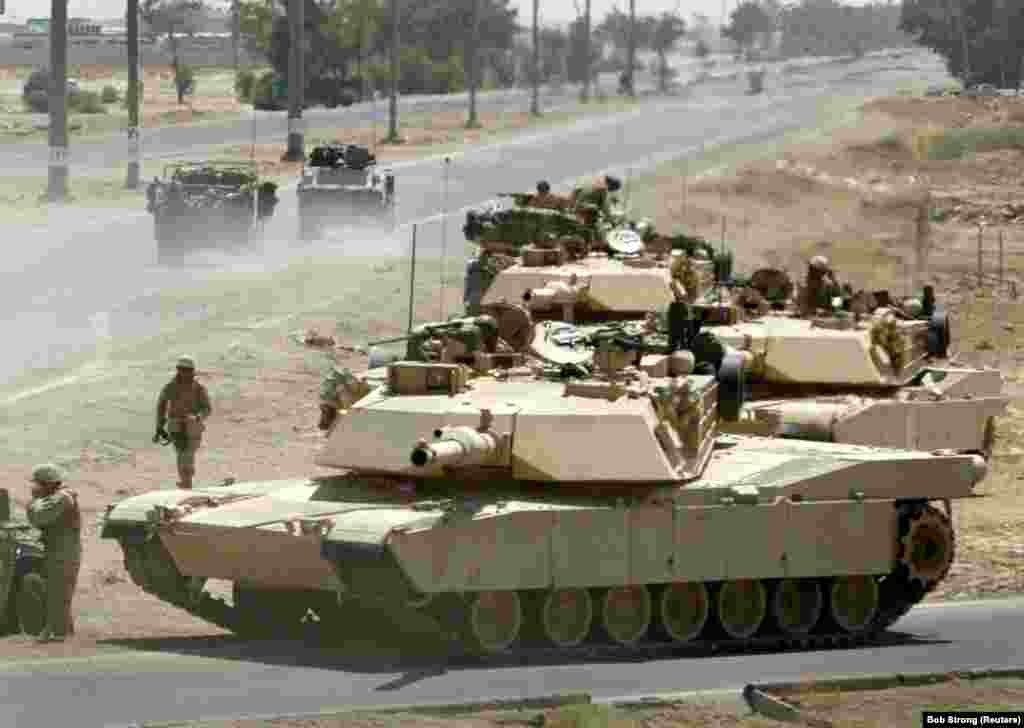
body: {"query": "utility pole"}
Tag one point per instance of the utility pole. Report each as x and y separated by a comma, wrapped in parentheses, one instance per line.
(585, 91)
(392, 137)
(632, 47)
(296, 144)
(134, 96)
(535, 100)
(473, 65)
(57, 177)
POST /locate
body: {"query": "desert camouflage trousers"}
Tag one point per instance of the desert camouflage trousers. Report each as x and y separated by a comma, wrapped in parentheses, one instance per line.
(185, 447)
(61, 580)
(187, 438)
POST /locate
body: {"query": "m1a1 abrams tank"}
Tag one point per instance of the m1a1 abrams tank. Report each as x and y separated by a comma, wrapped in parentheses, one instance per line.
(342, 185)
(495, 498)
(198, 205)
(22, 580)
(561, 259)
(871, 373)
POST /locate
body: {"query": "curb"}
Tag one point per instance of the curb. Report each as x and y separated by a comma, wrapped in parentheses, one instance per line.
(890, 680)
(441, 709)
(764, 698)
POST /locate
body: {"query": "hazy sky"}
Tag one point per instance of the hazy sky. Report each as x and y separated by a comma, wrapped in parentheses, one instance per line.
(553, 11)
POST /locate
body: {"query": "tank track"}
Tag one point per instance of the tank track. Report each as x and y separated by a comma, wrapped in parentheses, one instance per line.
(151, 567)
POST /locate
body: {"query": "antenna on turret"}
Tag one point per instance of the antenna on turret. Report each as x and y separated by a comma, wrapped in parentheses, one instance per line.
(444, 232)
(412, 279)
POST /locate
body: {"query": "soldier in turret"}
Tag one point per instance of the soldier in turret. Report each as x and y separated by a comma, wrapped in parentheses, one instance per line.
(821, 286)
(183, 406)
(595, 200)
(54, 511)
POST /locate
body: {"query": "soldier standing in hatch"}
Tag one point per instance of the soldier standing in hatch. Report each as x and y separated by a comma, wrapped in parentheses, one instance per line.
(821, 286)
(183, 405)
(54, 511)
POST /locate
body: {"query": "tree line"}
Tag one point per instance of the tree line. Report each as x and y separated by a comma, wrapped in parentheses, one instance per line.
(816, 27)
(351, 39)
(981, 40)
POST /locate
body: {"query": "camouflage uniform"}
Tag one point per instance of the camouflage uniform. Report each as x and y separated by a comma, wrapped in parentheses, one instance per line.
(821, 286)
(594, 201)
(183, 405)
(54, 511)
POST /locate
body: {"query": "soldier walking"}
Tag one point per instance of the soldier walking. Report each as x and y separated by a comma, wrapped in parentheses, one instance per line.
(54, 511)
(183, 405)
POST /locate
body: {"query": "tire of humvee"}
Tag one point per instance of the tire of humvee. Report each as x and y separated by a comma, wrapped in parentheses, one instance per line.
(30, 603)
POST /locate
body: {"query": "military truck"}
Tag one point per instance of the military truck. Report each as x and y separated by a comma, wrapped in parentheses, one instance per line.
(341, 184)
(22, 581)
(197, 205)
(518, 504)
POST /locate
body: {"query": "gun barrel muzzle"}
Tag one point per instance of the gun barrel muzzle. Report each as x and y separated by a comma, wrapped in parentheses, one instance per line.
(552, 294)
(456, 446)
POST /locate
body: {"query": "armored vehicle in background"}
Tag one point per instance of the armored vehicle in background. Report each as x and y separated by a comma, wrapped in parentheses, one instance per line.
(341, 184)
(22, 580)
(197, 205)
(517, 502)
(819, 361)
(561, 260)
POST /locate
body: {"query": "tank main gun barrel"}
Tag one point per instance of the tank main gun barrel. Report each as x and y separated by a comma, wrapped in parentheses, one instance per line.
(556, 293)
(455, 446)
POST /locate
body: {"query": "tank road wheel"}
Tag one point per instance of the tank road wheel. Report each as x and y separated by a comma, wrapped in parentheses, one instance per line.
(742, 606)
(928, 547)
(566, 616)
(625, 614)
(853, 602)
(31, 603)
(494, 620)
(683, 610)
(796, 606)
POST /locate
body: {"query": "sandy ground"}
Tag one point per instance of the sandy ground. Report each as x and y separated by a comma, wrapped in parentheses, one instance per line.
(894, 708)
(264, 384)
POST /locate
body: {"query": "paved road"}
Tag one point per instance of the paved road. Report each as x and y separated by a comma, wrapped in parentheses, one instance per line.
(61, 276)
(177, 680)
(111, 151)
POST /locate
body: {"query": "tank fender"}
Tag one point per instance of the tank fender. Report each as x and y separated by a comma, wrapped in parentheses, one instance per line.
(939, 334)
(732, 385)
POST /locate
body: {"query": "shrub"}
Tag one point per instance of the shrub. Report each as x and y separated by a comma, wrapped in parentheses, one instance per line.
(88, 102)
(185, 80)
(245, 84)
(262, 87)
(110, 95)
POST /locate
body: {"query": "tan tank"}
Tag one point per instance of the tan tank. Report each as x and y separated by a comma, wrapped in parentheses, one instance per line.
(520, 503)
(822, 362)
